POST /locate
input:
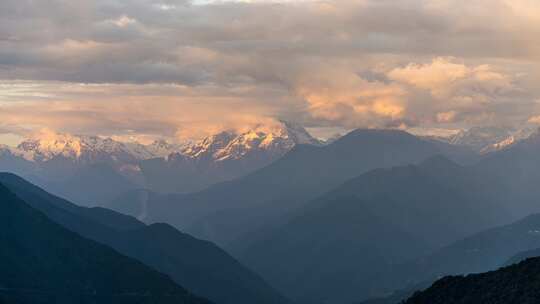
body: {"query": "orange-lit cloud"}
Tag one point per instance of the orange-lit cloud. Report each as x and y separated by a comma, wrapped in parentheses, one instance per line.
(342, 96)
(129, 110)
(174, 69)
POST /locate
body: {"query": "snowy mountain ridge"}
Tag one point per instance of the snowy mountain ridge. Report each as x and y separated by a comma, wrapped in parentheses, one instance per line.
(229, 145)
(79, 148)
(225, 145)
(490, 139)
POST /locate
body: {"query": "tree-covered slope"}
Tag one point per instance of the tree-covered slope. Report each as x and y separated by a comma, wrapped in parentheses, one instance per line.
(519, 283)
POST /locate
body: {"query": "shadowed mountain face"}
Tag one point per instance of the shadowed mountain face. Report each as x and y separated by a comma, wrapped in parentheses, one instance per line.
(11, 162)
(483, 251)
(227, 211)
(42, 262)
(514, 176)
(274, 211)
(199, 266)
(519, 283)
(367, 227)
(354, 216)
(105, 181)
(510, 178)
(331, 254)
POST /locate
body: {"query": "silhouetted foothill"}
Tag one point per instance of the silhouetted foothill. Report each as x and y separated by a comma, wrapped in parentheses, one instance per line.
(519, 283)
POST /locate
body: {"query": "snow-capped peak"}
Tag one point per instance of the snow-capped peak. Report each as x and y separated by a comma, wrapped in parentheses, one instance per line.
(163, 148)
(47, 145)
(274, 139)
(299, 134)
(207, 146)
(489, 139)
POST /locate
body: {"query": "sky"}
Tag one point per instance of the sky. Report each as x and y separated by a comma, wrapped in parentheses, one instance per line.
(143, 69)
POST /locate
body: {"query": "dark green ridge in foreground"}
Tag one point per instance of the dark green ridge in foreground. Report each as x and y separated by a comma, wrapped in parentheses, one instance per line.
(199, 266)
(42, 262)
(519, 283)
(523, 256)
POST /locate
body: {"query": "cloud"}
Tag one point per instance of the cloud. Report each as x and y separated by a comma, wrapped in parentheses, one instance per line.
(443, 90)
(534, 120)
(457, 92)
(436, 76)
(443, 77)
(179, 69)
(342, 96)
(152, 110)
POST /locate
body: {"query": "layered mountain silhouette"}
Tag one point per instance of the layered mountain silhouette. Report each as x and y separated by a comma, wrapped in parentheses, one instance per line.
(274, 211)
(480, 252)
(485, 139)
(368, 226)
(370, 213)
(106, 185)
(222, 157)
(519, 283)
(199, 266)
(10, 161)
(42, 262)
(513, 175)
(226, 212)
(69, 165)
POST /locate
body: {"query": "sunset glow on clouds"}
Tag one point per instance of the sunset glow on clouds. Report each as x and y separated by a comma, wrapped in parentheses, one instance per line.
(174, 69)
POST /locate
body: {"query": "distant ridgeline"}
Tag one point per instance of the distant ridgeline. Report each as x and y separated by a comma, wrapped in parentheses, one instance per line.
(373, 212)
(40, 253)
(92, 170)
(364, 216)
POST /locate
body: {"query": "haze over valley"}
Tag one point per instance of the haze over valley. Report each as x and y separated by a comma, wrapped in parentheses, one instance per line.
(269, 152)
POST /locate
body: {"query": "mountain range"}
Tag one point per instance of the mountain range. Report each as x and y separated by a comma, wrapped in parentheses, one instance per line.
(224, 213)
(370, 213)
(61, 162)
(370, 225)
(42, 262)
(67, 164)
(222, 157)
(483, 251)
(486, 139)
(279, 220)
(507, 177)
(199, 266)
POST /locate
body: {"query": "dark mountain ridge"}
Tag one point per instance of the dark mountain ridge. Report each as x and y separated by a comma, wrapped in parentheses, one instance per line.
(518, 283)
(198, 265)
(225, 212)
(42, 262)
(410, 210)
